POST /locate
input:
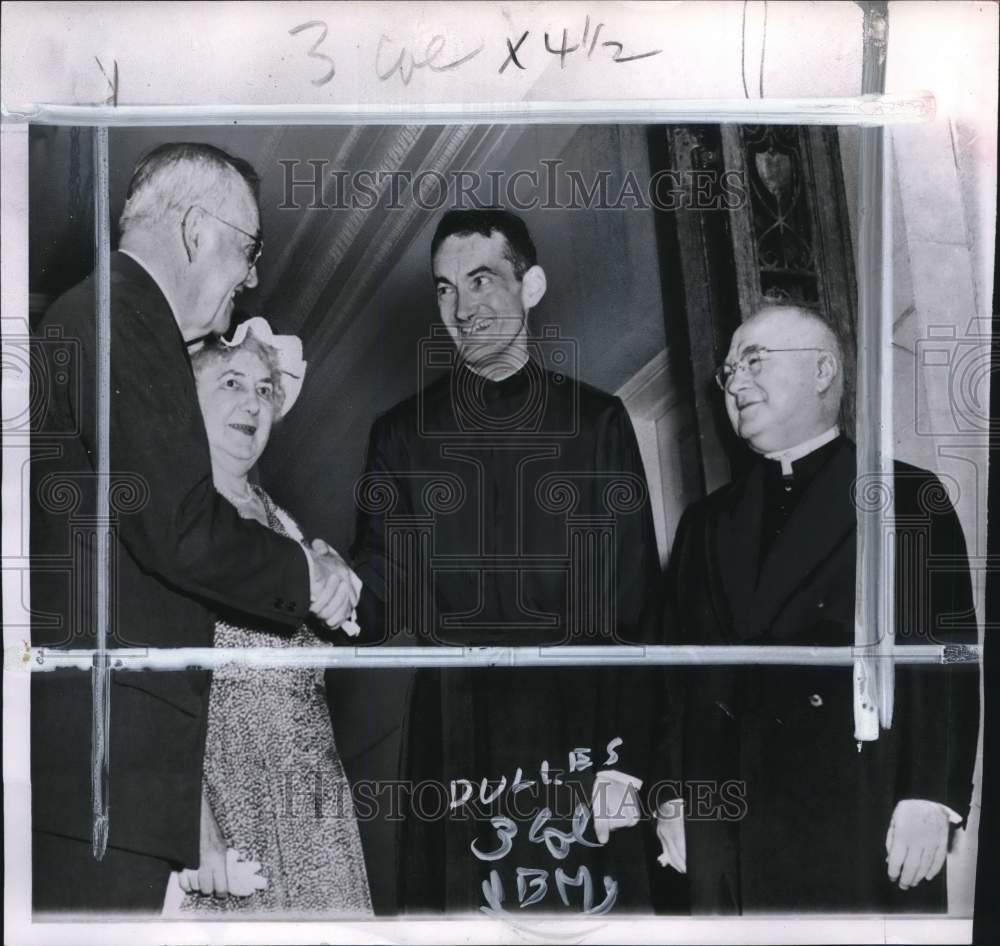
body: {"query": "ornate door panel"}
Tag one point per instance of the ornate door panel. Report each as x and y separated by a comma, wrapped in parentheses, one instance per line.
(792, 242)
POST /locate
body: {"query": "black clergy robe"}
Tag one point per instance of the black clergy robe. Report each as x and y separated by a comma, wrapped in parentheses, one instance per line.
(792, 816)
(512, 513)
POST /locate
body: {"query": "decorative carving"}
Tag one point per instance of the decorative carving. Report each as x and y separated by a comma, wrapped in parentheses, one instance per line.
(780, 214)
(959, 654)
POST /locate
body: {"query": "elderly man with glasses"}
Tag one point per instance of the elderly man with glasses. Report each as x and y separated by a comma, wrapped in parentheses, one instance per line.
(807, 818)
(179, 555)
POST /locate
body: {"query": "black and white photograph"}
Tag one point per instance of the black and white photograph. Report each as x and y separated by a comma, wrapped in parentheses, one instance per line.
(569, 520)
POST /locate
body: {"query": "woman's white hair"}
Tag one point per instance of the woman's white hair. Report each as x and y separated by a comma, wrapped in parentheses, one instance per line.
(214, 351)
(174, 177)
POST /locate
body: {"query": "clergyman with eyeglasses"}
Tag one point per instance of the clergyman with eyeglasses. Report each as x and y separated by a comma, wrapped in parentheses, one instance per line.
(190, 241)
(825, 823)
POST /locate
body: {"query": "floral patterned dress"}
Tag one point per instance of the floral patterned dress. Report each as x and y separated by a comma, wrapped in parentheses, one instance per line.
(275, 783)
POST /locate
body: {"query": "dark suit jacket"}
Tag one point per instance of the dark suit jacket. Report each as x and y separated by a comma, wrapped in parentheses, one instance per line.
(179, 553)
(802, 822)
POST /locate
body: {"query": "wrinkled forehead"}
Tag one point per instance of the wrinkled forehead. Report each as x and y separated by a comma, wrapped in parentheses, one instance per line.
(250, 363)
(241, 361)
(782, 328)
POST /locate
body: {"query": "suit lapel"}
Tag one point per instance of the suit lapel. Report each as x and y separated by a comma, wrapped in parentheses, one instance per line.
(825, 514)
(738, 546)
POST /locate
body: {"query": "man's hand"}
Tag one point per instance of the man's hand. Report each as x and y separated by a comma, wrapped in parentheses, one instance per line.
(670, 831)
(613, 803)
(917, 842)
(335, 589)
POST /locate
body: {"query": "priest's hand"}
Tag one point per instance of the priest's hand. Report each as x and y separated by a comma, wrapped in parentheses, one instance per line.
(670, 831)
(613, 802)
(917, 842)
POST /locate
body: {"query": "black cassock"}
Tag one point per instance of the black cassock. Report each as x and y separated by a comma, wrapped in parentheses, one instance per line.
(512, 513)
(802, 824)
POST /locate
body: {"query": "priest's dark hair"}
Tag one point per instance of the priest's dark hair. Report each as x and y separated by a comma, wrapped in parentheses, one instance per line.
(486, 221)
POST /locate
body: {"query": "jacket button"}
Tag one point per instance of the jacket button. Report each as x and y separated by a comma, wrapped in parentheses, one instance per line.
(816, 700)
(820, 604)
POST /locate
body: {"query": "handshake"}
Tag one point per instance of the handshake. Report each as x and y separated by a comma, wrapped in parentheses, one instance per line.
(334, 588)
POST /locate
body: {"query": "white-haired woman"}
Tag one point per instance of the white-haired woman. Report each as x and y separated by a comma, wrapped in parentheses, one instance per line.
(279, 833)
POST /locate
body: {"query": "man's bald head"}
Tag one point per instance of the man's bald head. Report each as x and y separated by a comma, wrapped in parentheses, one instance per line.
(790, 381)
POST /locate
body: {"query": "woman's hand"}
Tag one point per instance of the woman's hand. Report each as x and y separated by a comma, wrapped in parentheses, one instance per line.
(222, 871)
(210, 878)
(243, 877)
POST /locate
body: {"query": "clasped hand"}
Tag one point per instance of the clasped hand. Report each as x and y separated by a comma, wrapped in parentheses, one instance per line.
(335, 588)
(917, 842)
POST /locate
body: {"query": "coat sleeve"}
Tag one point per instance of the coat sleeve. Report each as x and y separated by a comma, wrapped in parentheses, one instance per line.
(378, 493)
(937, 707)
(637, 564)
(173, 522)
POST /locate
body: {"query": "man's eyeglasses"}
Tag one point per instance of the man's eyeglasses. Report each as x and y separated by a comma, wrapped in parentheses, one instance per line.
(254, 250)
(751, 361)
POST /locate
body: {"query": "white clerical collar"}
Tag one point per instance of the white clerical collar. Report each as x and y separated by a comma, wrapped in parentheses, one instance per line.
(149, 272)
(789, 455)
